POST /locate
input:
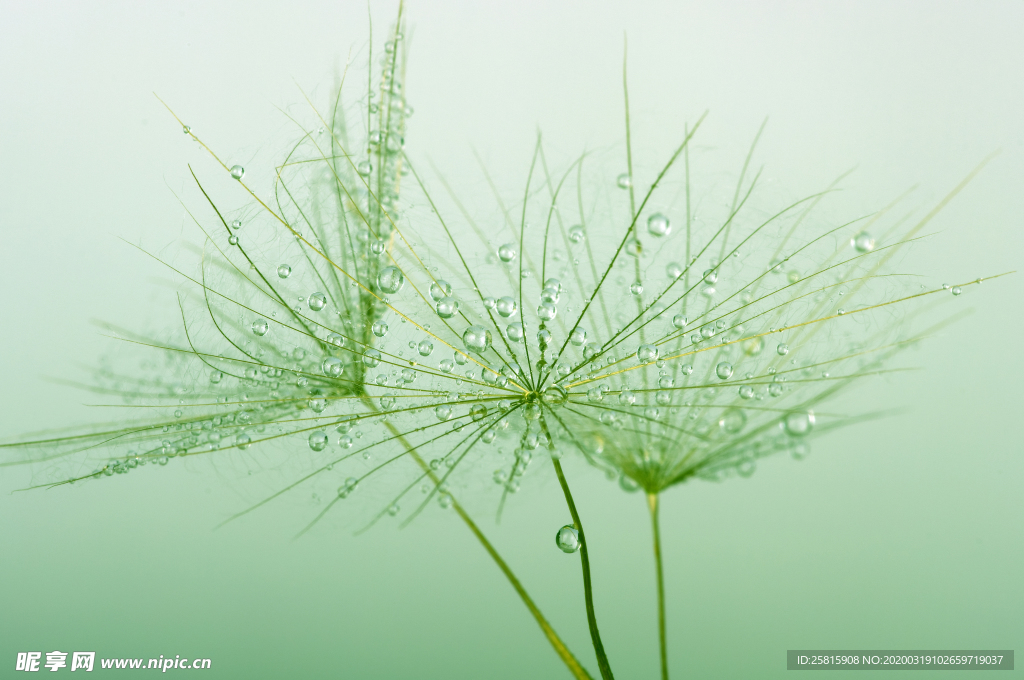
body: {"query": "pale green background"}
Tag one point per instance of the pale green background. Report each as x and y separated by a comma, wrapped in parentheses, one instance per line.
(906, 533)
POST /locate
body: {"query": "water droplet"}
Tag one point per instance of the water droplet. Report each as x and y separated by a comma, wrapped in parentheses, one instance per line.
(724, 370)
(317, 301)
(555, 395)
(318, 441)
(447, 307)
(364, 168)
(237, 171)
(799, 424)
(636, 288)
(576, 234)
(746, 392)
(710, 275)
(863, 242)
(233, 240)
(237, 224)
(186, 129)
(477, 339)
(732, 421)
(782, 349)
(514, 331)
(645, 354)
(956, 290)
(507, 252)
(371, 358)
(443, 412)
(216, 377)
(425, 348)
(550, 294)
(658, 225)
(284, 271)
(242, 441)
(260, 327)
(332, 367)
(567, 539)
(506, 306)
(379, 328)
(547, 311)
(390, 280)
(624, 181)
(578, 336)
(440, 289)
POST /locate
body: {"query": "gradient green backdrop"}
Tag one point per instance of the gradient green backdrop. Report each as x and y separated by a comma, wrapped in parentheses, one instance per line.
(905, 533)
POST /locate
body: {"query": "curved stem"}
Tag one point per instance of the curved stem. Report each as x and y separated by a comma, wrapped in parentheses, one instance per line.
(652, 504)
(563, 652)
(588, 592)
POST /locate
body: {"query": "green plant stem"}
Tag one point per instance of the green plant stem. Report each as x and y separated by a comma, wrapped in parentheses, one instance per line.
(652, 504)
(588, 591)
(563, 652)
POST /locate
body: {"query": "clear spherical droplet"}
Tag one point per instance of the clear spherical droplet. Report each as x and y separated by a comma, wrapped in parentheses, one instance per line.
(624, 181)
(724, 370)
(506, 306)
(332, 367)
(576, 234)
(237, 171)
(236, 224)
(567, 539)
(318, 441)
(260, 327)
(547, 311)
(284, 271)
(364, 168)
(514, 331)
(674, 270)
(658, 225)
(746, 392)
(233, 239)
(507, 252)
(425, 348)
(371, 358)
(679, 321)
(863, 242)
(956, 290)
(440, 289)
(782, 349)
(799, 424)
(645, 354)
(578, 337)
(477, 339)
(636, 288)
(379, 328)
(317, 301)
(390, 280)
(447, 307)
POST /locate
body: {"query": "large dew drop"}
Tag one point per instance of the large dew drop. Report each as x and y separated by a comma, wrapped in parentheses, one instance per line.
(724, 370)
(567, 539)
(863, 242)
(260, 327)
(799, 424)
(390, 280)
(237, 171)
(507, 252)
(645, 354)
(284, 271)
(318, 441)
(506, 306)
(440, 289)
(658, 225)
(317, 301)
(477, 339)
(447, 307)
